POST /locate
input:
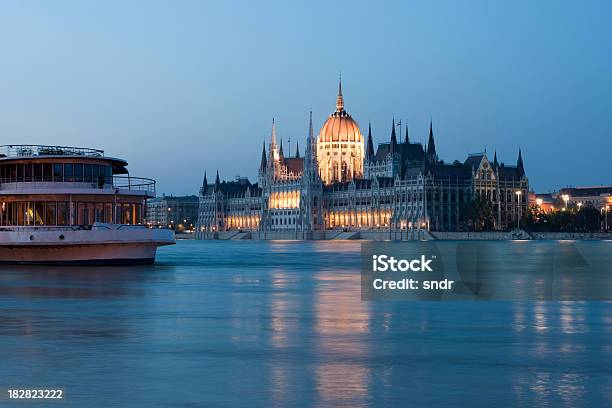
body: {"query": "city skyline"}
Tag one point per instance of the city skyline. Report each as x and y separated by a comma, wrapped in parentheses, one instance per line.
(197, 85)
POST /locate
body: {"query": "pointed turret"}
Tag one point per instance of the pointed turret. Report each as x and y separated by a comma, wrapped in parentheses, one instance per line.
(431, 145)
(204, 184)
(273, 137)
(273, 148)
(217, 182)
(340, 98)
(495, 163)
(297, 149)
(280, 150)
(393, 144)
(519, 163)
(310, 156)
(264, 159)
(370, 147)
(406, 138)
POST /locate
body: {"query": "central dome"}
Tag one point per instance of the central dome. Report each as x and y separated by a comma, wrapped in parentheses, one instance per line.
(340, 126)
(340, 146)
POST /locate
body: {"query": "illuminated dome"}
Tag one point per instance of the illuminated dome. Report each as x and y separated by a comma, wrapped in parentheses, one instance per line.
(340, 126)
(340, 146)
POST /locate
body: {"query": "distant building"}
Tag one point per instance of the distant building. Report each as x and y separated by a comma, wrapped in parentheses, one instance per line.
(596, 197)
(546, 201)
(179, 213)
(343, 183)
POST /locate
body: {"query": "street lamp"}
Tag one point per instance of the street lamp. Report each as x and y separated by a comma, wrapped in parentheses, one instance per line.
(539, 202)
(579, 205)
(518, 198)
(565, 198)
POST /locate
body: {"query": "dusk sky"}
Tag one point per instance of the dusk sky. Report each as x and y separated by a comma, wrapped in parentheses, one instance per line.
(177, 88)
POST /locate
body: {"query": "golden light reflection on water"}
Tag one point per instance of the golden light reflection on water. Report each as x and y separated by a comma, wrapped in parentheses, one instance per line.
(540, 315)
(342, 321)
(542, 388)
(519, 316)
(572, 317)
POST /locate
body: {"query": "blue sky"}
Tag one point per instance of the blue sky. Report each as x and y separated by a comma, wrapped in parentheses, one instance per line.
(181, 87)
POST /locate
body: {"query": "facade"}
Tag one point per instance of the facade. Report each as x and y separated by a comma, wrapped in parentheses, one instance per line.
(597, 197)
(178, 213)
(343, 183)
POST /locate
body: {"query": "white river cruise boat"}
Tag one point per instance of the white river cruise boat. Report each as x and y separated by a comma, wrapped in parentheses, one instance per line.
(70, 205)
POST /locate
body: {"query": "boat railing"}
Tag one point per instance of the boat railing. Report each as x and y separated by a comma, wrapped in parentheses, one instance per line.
(26, 150)
(146, 185)
(134, 183)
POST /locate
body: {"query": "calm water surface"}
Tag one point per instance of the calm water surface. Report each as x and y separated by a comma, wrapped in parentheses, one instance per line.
(223, 324)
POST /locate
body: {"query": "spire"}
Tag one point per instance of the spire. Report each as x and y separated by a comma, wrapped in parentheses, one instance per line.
(273, 138)
(495, 163)
(370, 148)
(340, 99)
(280, 151)
(310, 128)
(406, 138)
(431, 146)
(297, 149)
(393, 145)
(519, 163)
(310, 157)
(217, 182)
(264, 160)
(204, 184)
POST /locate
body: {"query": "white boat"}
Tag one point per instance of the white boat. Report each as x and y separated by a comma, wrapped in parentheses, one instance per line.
(69, 205)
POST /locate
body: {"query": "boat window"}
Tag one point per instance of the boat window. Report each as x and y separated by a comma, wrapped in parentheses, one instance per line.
(78, 172)
(13, 175)
(68, 172)
(34, 213)
(20, 213)
(47, 172)
(127, 214)
(91, 208)
(20, 172)
(28, 171)
(108, 212)
(99, 212)
(38, 172)
(85, 213)
(50, 213)
(58, 172)
(39, 213)
(29, 213)
(87, 177)
(62, 213)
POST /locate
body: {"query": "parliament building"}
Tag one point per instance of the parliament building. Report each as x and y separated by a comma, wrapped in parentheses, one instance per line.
(344, 184)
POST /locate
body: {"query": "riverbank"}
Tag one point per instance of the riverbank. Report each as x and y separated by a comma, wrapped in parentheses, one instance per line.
(406, 235)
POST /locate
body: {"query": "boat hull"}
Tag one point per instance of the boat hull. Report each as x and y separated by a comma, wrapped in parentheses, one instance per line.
(91, 254)
(98, 246)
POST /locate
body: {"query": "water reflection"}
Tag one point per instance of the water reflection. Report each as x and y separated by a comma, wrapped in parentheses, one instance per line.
(283, 324)
(341, 326)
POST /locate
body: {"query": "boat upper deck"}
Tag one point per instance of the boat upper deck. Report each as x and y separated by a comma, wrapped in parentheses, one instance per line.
(44, 169)
(45, 150)
(36, 152)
